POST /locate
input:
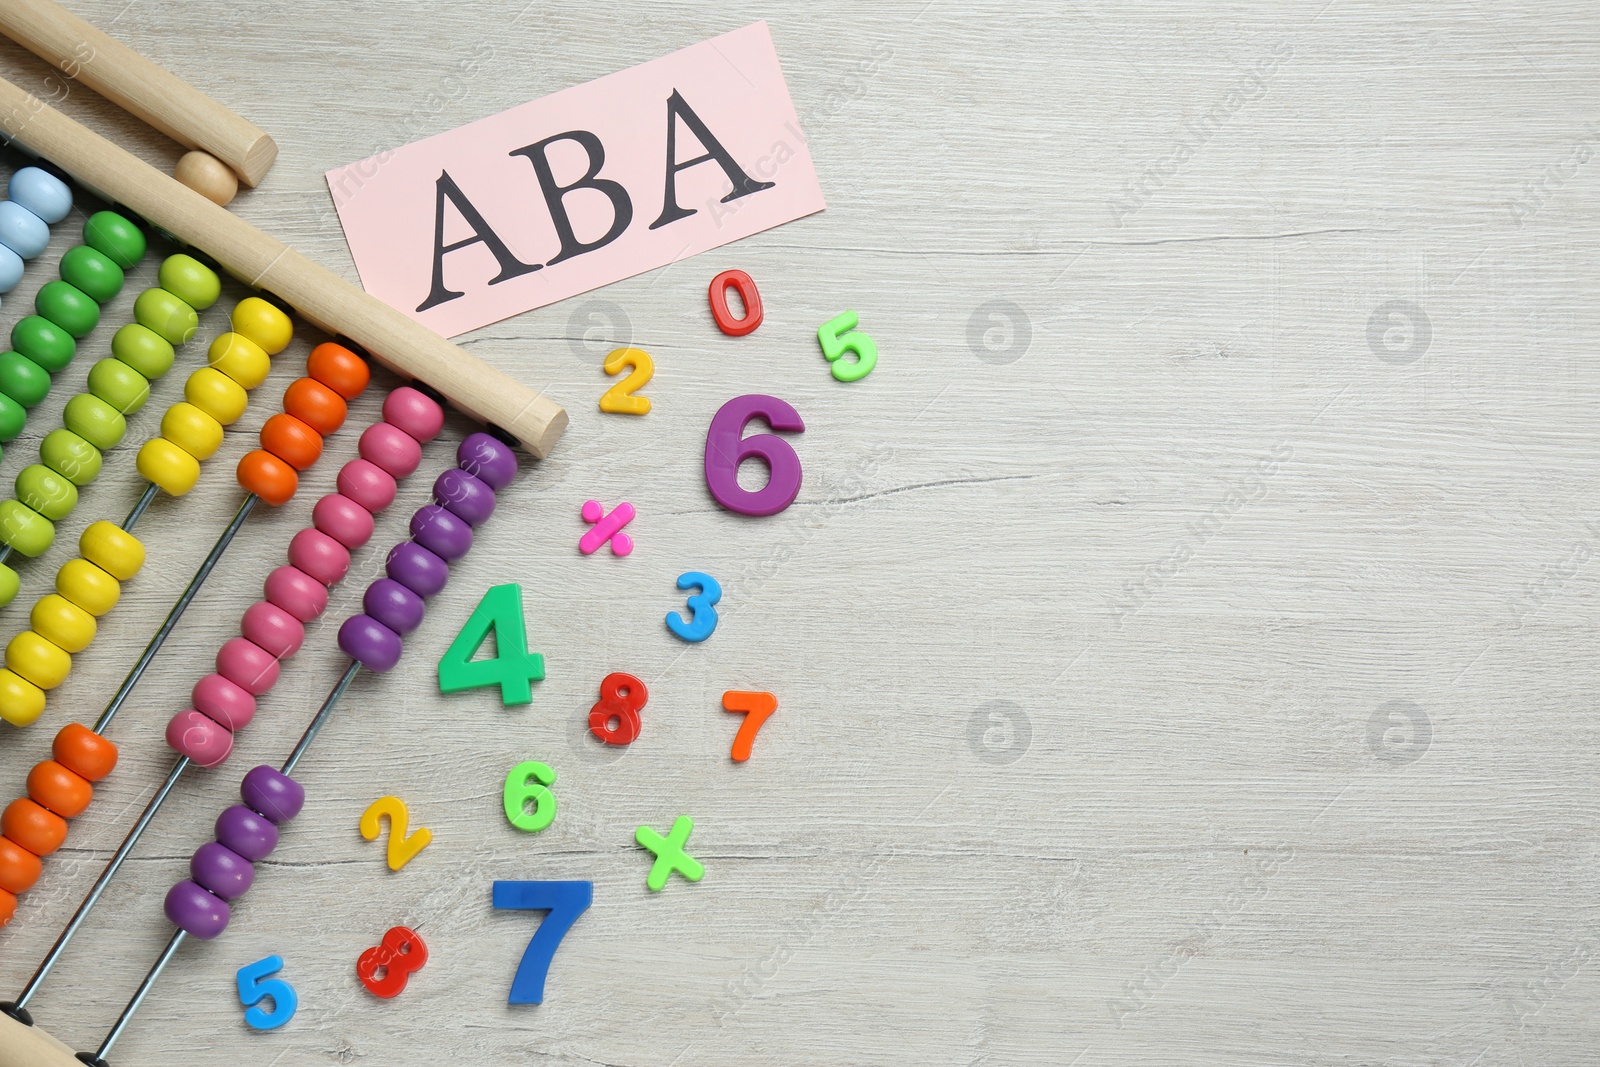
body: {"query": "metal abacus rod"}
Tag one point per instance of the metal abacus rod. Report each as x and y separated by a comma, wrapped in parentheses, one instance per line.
(295, 594)
(247, 833)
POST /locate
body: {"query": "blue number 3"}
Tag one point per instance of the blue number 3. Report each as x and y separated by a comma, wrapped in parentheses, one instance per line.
(254, 986)
(705, 616)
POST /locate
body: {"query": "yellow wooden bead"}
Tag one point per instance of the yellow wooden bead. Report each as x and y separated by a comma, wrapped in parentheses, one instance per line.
(62, 623)
(216, 394)
(112, 549)
(21, 701)
(89, 587)
(44, 664)
(263, 324)
(240, 358)
(165, 464)
(192, 430)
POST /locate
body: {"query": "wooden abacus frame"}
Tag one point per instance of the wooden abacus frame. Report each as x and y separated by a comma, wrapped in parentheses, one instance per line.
(321, 297)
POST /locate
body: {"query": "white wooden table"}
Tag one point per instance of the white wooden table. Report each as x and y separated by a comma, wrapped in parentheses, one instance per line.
(1184, 638)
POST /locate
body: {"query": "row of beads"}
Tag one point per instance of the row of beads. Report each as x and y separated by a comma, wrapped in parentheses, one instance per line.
(96, 420)
(38, 200)
(39, 659)
(313, 407)
(319, 558)
(58, 789)
(441, 533)
(66, 310)
(224, 869)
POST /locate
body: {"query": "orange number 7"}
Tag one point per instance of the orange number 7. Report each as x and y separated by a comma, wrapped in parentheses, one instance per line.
(756, 707)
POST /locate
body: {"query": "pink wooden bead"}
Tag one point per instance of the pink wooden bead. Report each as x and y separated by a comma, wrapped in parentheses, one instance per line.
(296, 592)
(222, 700)
(414, 413)
(390, 448)
(343, 520)
(320, 556)
(199, 737)
(247, 665)
(367, 484)
(271, 628)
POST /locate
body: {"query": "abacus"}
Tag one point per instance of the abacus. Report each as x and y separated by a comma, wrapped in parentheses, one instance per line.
(191, 211)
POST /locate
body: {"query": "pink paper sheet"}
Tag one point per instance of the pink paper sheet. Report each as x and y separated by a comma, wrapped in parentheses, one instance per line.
(731, 86)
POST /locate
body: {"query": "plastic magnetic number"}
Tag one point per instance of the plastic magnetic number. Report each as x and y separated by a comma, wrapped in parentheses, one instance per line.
(853, 340)
(619, 399)
(513, 666)
(565, 901)
(402, 849)
(520, 789)
(400, 955)
(718, 293)
(255, 986)
(700, 605)
(756, 707)
(621, 697)
(726, 449)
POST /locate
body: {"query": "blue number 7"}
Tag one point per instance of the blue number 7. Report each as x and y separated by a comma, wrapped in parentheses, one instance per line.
(565, 901)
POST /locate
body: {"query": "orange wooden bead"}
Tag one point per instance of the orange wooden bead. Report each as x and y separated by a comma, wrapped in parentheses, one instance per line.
(8, 906)
(315, 404)
(84, 752)
(268, 477)
(19, 868)
(36, 829)
(339, 369)
(59, 789)
(291, 441)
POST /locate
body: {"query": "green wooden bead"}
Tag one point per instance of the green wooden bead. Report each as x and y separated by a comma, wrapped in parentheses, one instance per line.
(13, 416)
(143, 349)
(46, 492)
(70, 456)
(167, 315)
(44, 342)
(190, 281)
(95, 421)
(93, 272)
(68, 307)
(10, 585)
(24, 529)
(119, 385)
(22, 379)
(115, 238)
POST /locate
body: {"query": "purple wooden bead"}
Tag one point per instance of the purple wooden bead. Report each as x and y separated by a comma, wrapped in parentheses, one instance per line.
(221, 870)
(246, 832)
(191, 908)
(465, 495)
(417, 569)
(441, 532)
(394, 605)
(272, 793)
(490, 459)
(370, 643)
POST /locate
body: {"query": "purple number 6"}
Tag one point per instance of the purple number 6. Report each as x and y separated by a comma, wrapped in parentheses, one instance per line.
(726, 449)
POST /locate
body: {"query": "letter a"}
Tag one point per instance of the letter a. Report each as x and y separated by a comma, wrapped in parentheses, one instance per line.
(743, 184)
(510, 265)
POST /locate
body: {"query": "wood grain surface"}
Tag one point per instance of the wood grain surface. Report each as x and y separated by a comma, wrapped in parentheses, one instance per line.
(1184, 639)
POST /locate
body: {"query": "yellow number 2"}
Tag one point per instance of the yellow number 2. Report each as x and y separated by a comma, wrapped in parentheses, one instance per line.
(402, 849)
(619, 399)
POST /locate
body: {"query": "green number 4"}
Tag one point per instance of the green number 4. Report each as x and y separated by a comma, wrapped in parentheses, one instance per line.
(513, 666)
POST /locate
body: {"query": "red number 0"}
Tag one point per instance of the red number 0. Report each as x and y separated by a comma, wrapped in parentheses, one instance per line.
(726, 449)
(735, 279)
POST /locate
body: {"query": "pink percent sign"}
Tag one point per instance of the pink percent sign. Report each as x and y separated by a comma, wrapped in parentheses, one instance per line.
(607, 528)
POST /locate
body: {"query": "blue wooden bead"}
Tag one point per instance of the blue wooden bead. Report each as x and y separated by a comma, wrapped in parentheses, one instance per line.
(10, 269)
(21, 230)
(41, 193)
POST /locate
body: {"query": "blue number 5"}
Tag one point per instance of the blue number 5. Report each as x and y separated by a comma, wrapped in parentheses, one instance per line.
(565, 901)
(255, 986)
(705, 616)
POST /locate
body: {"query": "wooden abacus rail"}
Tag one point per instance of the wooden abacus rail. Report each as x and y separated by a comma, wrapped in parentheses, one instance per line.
(139, 86)
(321, 297)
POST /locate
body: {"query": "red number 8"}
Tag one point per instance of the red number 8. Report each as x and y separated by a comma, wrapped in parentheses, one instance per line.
(621, 697)
(401, 953)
